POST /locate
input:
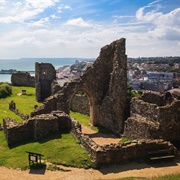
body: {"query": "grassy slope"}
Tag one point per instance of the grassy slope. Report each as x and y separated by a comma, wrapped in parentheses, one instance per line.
(59, 149)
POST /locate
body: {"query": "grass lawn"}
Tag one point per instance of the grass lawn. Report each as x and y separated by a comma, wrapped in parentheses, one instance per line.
(24, 103)
(82, 119)
(57, 149)
(85, 120)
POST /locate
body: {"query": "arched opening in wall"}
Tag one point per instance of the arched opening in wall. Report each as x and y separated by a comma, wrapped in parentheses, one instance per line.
(81, 107)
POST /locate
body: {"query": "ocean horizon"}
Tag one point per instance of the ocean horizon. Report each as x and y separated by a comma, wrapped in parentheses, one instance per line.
(28, 64)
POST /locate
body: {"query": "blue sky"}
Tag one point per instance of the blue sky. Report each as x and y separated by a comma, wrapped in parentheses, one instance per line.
(69, 28)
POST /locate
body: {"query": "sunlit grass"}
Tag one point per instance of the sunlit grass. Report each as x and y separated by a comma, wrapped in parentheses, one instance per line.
(24, 103)
(85, 120)
(82, 119)
(58, 149)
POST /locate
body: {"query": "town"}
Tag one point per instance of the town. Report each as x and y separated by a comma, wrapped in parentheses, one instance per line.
(151, 73)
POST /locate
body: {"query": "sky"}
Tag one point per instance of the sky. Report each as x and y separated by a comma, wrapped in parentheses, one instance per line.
(79, 28)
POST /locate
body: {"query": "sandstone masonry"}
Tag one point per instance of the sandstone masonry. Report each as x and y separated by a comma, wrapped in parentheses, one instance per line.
(22, 78)
(36, 127)
(80, 103)
(45, 73)
(154, 116)
(105, 84)
(121, 152)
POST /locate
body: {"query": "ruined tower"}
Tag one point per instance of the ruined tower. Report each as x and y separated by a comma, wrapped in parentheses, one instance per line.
(45, 73)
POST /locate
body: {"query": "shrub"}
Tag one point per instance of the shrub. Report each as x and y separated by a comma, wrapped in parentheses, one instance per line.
(5, 90)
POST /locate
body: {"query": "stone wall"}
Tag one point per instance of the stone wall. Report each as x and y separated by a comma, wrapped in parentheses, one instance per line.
(121, 152)
(12, 107)
(21, 78)
(105, 84)
(140, 108)
(45, 73)
(138, 128)
(80, 103)
(149, 120)
(169, 119)
(36, 127)
(17, 133)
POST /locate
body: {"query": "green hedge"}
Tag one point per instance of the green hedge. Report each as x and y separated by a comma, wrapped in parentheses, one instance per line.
(5, 90)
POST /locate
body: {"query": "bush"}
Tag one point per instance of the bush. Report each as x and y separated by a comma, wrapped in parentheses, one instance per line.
(132, 93)
(5, 90)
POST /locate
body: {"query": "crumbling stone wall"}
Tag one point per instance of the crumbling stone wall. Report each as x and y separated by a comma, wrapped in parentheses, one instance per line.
(157, 98)
(169, 120)
(140, 108)
(22, 78)
(105, 84)
(36, 127)
(149, 120)
(80, 103)
(12, 107)
(17, 133)
(120, 152)
(45, 73)
(138, 128)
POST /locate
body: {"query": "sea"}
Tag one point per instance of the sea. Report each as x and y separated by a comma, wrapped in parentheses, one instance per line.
(28, 64)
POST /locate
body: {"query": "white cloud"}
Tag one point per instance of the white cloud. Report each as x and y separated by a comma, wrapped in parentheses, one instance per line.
(62, 6)
(2, 1)
(42, 4)
(39, 23)
(32, 32)
(78, 22)
(25, 10)
(122, 17)
(170, 19)
(147, 17)
(53, 16)
(160, 25)
(154, 2)
(168, 26)
(67, 7)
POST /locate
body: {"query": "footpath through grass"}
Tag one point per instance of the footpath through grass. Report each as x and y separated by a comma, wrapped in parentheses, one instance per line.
(57, 149)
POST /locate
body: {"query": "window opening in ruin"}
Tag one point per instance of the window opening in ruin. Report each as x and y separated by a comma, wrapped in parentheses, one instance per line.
(80, 107)
(44, 72)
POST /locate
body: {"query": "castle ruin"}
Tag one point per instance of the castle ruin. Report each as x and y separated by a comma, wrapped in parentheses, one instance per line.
(154, 117)
(45, 73)
(105, 84)
(22, 78)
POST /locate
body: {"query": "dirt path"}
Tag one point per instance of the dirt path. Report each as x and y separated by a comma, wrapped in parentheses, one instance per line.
(100, 138)
(110, 172)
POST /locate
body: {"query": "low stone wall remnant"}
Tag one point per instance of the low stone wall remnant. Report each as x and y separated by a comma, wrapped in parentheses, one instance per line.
(36, 127)
(22, 78)
(12, 107)
(121, 152)
(154, 119)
